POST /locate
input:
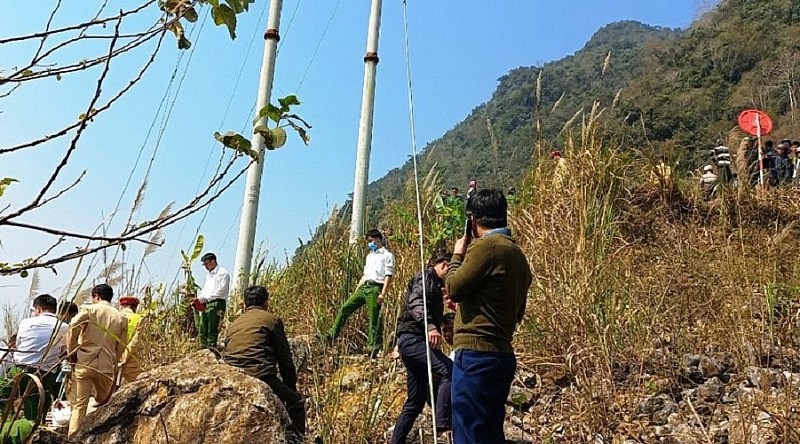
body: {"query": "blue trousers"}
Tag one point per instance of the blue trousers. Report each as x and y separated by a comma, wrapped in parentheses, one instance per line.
(412, 352)
(481, 382)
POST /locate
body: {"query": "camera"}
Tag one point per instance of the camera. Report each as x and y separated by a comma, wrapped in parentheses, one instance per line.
(468, 227)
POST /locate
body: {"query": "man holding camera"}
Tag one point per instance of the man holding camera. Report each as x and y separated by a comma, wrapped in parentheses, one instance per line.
(489, 278)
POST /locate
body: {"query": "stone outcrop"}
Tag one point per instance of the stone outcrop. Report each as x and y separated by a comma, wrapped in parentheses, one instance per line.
(198, 399)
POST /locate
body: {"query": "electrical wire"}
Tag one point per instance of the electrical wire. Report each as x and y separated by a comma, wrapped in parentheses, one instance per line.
(319, 44)
(419, 213)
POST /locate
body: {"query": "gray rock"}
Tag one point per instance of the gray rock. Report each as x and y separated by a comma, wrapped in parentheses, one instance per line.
(762, 378)
(197, 399)
(710, 390)
(657, 408)
(301, 351)
(709, 367)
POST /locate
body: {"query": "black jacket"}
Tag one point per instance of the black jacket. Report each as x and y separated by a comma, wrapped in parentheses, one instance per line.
(411, 319)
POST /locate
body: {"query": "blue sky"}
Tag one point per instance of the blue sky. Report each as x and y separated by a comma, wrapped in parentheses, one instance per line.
(458, 51)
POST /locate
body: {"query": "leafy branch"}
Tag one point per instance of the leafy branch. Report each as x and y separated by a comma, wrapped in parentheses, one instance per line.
(274, 137)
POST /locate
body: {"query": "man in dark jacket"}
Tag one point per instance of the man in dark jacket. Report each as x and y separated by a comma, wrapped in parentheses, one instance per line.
(424, 297)
(489, 278)
(256, 343)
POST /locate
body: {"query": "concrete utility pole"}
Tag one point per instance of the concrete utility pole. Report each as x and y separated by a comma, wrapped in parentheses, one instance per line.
(365, 124)
(247, 224)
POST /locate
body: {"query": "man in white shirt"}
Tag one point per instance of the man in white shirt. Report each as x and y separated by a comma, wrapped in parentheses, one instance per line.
(40, 348)
(212, 300)
(371, 289)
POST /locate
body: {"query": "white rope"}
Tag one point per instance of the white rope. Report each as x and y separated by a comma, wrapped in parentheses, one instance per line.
(419, 219)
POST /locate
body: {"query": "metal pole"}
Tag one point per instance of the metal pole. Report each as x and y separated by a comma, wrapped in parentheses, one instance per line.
(365, 124)
(247, 224)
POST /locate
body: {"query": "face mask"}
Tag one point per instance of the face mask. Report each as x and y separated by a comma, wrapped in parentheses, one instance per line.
(372, 246)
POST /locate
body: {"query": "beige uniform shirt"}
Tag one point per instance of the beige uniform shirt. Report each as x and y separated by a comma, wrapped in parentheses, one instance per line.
(98, 333)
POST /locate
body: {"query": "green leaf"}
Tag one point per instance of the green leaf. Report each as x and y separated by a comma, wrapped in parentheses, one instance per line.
(190, 15)
(224, 15)
(278, 137)
(214, 3)
(288, 101)
(236, 5)
(23, 273)
(270, 111)
(237, 142)
(198, 247)
(184, 43)
(177, 29)
(4, 183)
(266, 133)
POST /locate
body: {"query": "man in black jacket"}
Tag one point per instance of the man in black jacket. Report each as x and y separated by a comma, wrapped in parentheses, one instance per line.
(411, 336)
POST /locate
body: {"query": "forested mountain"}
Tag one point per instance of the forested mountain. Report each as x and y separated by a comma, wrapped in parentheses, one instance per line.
(674, 91)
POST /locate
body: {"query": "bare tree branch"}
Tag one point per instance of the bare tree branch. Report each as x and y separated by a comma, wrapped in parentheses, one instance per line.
(88, 24)
(142, 230)
(73, 145)
(65, 233)
(47, 28)
(96, 112)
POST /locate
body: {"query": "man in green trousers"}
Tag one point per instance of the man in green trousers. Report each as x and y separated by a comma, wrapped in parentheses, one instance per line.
(212, 300)
(371, 289)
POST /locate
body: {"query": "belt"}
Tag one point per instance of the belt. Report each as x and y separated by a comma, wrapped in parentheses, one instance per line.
(377, 284)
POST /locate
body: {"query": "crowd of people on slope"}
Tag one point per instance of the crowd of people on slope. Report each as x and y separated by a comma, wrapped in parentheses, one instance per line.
(95, 345)
(773, 165)
(483, 283)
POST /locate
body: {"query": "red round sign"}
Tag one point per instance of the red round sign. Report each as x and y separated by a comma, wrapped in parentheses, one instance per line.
(750, 120)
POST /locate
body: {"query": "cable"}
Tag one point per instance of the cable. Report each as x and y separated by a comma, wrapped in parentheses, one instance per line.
(214, 147)
(419, 214)
(288, 26)
(319, 43)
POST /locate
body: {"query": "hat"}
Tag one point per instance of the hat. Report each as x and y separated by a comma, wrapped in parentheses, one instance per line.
(128, 300)
(708, 168)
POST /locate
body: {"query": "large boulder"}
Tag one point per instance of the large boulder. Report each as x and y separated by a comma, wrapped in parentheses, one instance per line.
(198, 399)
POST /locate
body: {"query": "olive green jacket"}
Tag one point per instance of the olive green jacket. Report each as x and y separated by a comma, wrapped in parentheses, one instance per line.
(256, 343)
(490, 284)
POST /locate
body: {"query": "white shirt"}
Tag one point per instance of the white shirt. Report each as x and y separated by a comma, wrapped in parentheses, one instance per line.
(216, 286)
(379, 264)
(33, 340)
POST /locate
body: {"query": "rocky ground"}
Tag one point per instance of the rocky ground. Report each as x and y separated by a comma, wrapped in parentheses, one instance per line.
(706, 400)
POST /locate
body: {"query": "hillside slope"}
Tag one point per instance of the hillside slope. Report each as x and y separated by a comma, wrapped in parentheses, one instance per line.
(673, 92)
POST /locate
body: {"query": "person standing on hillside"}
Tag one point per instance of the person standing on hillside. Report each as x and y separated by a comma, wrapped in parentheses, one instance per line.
(130, 366)
(256, 342)
(212, 299)
(40, 347)
(454, 196)
(371, 290)
(784, 168)
(424, 293)
(472, 187)
(708, 182)
(722, 156)
(96, 340)
(489, 278)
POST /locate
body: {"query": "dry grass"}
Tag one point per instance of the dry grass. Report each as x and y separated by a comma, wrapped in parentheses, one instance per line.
(628, 265)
